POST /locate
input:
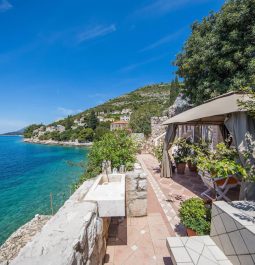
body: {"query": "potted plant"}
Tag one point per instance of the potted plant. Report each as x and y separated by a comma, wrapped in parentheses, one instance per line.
(196, 149)
(180, 155)
(221, 163)
(195, 216)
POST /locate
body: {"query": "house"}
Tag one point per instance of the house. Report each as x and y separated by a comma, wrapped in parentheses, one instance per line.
(119, 125)
(125, 118)
(126, 111)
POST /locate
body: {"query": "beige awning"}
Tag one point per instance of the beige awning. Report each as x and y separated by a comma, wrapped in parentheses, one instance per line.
(212, 112)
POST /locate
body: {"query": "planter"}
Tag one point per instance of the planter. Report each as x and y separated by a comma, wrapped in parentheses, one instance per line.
(191, 232)
(247, 191)
(192, 167)
(181, 168)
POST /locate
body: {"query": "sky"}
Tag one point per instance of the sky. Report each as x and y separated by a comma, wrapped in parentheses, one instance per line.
(58, 58)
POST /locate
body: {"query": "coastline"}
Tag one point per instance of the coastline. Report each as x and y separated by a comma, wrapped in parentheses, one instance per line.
(52, 142)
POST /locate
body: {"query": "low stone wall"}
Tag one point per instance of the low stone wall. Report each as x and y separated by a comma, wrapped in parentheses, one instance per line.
(74, 235)
(233, 230)
(10, 249)
(136, 192)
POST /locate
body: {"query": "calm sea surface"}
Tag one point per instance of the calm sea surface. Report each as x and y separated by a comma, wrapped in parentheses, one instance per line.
(28, 174)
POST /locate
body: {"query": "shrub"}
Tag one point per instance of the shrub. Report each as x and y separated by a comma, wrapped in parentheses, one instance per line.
(158, 152)
(195, 215)
(181, 153)
(117, 147)
(220, 163)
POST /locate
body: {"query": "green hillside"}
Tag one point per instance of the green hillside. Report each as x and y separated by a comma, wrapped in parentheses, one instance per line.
(137, 107)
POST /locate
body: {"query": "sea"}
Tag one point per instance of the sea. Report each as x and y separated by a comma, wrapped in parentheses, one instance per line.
(35, 179)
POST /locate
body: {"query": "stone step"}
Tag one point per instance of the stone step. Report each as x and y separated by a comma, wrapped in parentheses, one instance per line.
(198, 250)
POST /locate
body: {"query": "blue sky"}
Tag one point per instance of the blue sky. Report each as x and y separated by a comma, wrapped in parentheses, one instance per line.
(61, 57)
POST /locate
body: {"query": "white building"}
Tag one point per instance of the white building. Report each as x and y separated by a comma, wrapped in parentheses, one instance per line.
(125, 118)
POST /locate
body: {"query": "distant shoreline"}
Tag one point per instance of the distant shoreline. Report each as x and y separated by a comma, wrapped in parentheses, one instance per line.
(51, 142)
(11, 135)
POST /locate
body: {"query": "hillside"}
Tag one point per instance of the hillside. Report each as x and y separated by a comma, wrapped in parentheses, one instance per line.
(19, 132)
(135, 108)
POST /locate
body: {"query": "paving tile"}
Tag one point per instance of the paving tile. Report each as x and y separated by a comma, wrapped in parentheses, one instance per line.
(249, 240)
(109, 254)
(226, 244)
(180, 254)
(121, 253)
(246, 259)
(217, 253)
(238, 243)
(194, 255)
(194, 244)
(174, 242)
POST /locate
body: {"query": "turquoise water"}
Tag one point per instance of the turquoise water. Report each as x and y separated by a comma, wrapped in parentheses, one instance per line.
(28, 174)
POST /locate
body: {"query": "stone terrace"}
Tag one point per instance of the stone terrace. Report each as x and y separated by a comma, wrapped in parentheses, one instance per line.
(142, 240)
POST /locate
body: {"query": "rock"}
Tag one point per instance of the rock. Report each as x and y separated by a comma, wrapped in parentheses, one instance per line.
(74, 235)
(10, 249)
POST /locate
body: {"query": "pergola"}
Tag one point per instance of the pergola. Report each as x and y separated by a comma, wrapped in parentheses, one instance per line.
(223, 111)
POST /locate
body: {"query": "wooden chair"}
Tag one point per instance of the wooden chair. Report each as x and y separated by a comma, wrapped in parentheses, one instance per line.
(220, 185)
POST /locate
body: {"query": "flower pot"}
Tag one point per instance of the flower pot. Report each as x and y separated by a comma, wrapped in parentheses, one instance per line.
(247, 191)
(192, 167)
(191, 232)
(181, 168)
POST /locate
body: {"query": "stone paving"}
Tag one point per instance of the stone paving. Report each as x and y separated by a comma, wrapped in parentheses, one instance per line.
(140, 240)
(143, 240)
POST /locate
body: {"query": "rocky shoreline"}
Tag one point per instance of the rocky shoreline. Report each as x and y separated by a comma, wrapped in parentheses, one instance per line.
(10, 249)
(52, 142)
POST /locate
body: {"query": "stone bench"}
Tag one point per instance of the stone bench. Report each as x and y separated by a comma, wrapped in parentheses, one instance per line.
(200, 250)
(231, 241)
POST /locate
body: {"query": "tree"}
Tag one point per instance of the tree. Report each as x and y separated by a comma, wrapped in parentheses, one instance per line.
(140, 121)
(28, 132)
(117, 147)
(92, 120)
(219, 55)
(86, 135)
(249, 104)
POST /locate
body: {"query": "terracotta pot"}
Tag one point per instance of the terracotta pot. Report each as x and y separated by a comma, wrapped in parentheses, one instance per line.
(181, 168)
(192, 168)
(191, 232)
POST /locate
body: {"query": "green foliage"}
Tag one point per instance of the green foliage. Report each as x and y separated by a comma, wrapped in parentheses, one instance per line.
(28, 132)
(196, 149)
(220, 163)
(182, 151)
(249, 104)
(117, 147)
(100, 132)
(195, 215)
(158, 152)
(219, 55)
(92, 120)
(140, 120)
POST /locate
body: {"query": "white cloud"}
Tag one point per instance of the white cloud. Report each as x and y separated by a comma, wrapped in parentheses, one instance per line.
(136, 65)
(66, 112)
(94, 32)
(159, 7)
(5, 5)
(164, 40)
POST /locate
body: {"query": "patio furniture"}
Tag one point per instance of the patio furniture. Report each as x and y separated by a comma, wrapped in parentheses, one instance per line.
(220, 185)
